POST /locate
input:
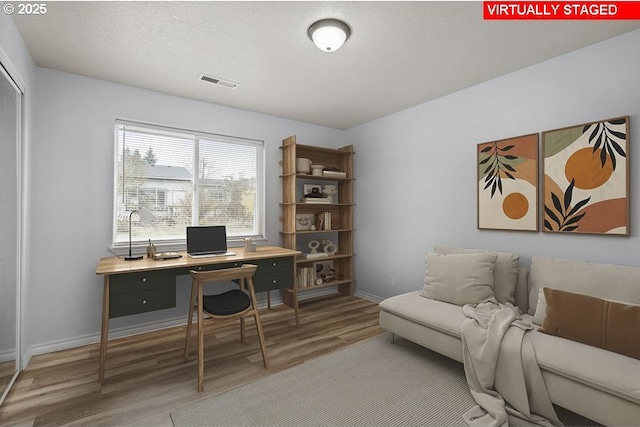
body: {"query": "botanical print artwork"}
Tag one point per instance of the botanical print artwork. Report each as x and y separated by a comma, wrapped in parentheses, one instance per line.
(508, 184)
(586, 178)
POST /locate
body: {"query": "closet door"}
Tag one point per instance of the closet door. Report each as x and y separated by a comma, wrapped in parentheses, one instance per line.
(10, 229)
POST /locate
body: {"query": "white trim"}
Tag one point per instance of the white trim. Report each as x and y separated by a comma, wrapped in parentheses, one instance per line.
(12, 70)
(8, 356)
(119, 247)
(21, 230)
(65, 344)
(26, 358)
(369, 297)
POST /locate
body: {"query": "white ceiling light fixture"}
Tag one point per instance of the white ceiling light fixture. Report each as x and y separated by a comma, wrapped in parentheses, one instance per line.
(329, 34)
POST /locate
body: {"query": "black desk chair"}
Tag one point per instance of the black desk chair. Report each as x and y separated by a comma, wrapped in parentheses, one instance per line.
(227, 305)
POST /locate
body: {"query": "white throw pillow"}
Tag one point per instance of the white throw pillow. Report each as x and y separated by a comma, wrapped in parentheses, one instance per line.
(459, 278)
(505, 273)
(541, 308)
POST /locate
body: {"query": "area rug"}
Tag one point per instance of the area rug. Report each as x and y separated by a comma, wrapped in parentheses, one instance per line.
(371, 383)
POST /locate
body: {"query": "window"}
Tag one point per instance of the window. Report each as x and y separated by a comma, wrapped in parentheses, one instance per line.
(185, 178)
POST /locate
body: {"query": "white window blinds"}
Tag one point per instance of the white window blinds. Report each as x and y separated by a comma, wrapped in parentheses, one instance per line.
(185, 178)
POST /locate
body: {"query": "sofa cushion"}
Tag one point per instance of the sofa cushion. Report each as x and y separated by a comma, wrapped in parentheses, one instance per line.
(595, 367)
(584, 278)
(606, 324)
(505, 273)
(459, 278)
(438, 315)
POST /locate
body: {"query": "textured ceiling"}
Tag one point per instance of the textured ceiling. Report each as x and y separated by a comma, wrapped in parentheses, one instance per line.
(400, 54)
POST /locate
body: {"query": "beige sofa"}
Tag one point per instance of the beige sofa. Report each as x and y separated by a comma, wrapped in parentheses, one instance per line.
(596, 383)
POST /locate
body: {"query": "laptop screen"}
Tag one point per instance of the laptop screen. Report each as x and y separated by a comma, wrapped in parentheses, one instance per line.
(206, 239)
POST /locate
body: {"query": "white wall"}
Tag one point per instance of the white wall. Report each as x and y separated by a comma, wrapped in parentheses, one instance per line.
(415, 173)
(71, 195)
(416, 169)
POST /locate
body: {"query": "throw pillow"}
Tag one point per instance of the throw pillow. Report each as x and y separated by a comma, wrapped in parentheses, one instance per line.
(611, 325)
(541, 308)
(583, 278)
(505, 273)
(623, 328)
(459, 278)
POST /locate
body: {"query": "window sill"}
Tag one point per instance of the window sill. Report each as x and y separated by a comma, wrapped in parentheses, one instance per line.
(141, 249)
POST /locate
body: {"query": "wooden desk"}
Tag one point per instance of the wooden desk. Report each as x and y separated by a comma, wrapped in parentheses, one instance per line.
(132, 287)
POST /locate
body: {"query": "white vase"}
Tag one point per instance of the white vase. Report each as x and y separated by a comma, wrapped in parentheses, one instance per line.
(330, 191)
(303, 165)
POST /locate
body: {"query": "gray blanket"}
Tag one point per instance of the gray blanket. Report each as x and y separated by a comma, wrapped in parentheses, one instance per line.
(501, 369)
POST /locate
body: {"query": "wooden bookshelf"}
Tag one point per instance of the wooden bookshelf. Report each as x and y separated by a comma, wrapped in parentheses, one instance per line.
(340, 271)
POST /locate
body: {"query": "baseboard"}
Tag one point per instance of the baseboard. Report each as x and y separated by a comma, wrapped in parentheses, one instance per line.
(26, 358)
(8, 356)
(127, 331)
(316, 293)
(369, 297)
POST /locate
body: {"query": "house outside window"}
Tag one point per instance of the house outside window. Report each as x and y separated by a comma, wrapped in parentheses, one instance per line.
(185, 178)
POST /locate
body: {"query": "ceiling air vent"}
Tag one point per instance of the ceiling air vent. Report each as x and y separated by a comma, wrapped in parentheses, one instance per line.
(218, 81)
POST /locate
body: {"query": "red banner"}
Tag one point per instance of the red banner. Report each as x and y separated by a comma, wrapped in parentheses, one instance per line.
(580, 10)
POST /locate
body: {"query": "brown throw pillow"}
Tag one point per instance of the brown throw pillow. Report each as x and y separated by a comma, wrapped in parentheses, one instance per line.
(601, 323)
(622, 332)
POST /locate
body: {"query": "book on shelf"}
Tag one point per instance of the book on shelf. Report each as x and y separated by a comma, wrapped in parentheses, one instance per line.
(323, 221)
(316, 255)
(320, 221)
(316, 200)
(306, 277)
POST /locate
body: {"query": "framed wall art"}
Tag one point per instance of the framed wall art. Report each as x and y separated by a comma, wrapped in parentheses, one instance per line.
(586, 178)
(508, 184)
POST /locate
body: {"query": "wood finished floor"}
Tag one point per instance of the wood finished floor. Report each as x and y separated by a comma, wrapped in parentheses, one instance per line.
(7, 369)
(146, 376)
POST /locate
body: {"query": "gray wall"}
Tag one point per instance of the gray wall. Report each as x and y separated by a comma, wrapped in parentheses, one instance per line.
(416, 182)
(71, 197)
(415, 173)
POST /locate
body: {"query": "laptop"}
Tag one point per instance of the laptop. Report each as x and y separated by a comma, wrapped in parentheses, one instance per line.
(207, 241)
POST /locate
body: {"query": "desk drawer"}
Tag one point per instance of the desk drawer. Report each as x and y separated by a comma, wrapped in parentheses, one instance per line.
(207, 267)
(136, 282)
(273, 265)
(141, 302)
(217, 266)
(268, 282)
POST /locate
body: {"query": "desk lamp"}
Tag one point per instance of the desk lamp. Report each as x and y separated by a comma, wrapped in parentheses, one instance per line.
(145, 216)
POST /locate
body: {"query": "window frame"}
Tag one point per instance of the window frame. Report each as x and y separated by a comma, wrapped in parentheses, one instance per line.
(179, 244)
